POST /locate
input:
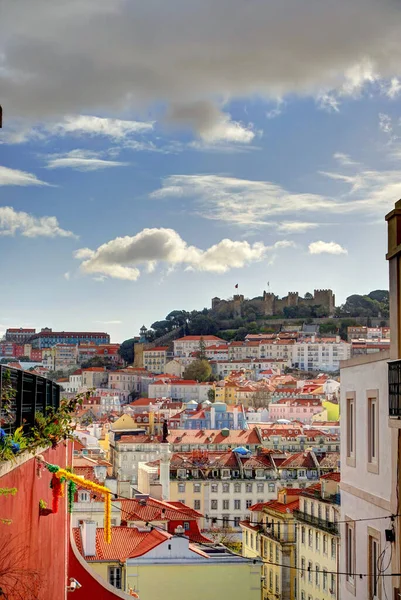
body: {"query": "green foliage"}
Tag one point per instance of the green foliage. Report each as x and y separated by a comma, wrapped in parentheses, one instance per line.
(201, 352)
(211, 395)
(202, 325)
(200, 370)
(42, 504)
(8, 393)
(331, 327)
(374, 304)
(127, 351)
(8, 491)
(308, 296)
(241, 334)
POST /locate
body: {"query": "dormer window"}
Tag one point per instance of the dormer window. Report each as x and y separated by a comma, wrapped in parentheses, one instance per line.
(83, 496)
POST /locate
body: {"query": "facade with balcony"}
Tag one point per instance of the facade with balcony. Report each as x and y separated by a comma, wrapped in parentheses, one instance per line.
(318, 541)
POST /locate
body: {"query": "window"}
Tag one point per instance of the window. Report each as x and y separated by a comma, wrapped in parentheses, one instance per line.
(324, 544)
(246, 538)
(248, 503)
(226, 521)
(181, 487)
(236, 521)
(373, 556)
(84, 496)
(317, 541)
(237, 488)
(332, 584)
(277, 554)
(213, 504)
(197, 487)
(350, 424)
(309, 572)
(197, 504)
(350, 555)
(271, 552)
(333, 548)
(302, 535)
(226, 505)
(317, 576)
(302, 567)
(310, 538)
(277, 584)
(214, 488)
(260, 488)
(186, 525)
(226, 488)
(272, 487)
(248, 488)
(237, 504)
(271, 579)
(115, 577)
(324, 580)
(373, 432)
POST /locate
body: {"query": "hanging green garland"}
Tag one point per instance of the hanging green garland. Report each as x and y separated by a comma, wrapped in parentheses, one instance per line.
(72, 488)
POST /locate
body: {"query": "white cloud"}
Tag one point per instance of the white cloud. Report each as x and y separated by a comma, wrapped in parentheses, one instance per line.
(327, 101)
(212, 125)
(241, 201)
(81, 160)
(385, 123)
(67, 275)
(345, 160)
(121, 258)
(116, 129)
(296, 226)
(16, 177)
(326, 248)
(12, 222)
(394, 88)
(182, 52)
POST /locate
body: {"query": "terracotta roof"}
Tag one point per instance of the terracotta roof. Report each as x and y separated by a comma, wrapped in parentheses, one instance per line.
(157, 349)
(95, 369)
(283, 508)
(197, 338)
(332, 476)
(300, 459)
(249, 525)
(126, 542)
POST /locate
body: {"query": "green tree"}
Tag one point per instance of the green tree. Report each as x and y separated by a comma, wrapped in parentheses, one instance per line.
(127, 351)
(308, 296)
(241, 334)
(211, 395)
(201, 353)
(200, 370)
(202, 325)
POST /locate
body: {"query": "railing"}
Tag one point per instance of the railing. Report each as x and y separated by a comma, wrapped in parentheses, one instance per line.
(28, 394)
(328, 526)
(394, 389)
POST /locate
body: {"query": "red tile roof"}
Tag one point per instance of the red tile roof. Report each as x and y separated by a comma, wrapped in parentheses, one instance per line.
(196, 338)
(332, 476)
(157, 349)
(281, 507)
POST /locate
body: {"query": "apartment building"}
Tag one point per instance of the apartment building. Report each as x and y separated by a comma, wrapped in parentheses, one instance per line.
(179, 389)
(322, 354)
(155, 359)
(75, 381)
(296, 409)
(94, 377)
(370, 454)
(189, 344)
(252, 367)
(318, 539)
(221, 485)
(47, 338)
(270, 532)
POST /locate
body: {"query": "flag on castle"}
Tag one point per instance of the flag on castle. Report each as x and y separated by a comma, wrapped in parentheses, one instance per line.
(236, 286)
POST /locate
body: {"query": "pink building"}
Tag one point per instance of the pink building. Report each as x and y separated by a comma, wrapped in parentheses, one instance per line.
(295, 409)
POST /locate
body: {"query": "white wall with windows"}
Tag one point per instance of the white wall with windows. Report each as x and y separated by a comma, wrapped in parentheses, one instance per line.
(368, 446)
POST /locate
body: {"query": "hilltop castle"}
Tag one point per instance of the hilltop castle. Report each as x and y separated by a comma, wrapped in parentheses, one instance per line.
(271, 305)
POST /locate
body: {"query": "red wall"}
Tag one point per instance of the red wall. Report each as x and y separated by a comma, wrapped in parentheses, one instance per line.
(41, 539)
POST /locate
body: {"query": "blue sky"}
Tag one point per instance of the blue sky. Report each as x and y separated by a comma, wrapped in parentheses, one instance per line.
(177, 166)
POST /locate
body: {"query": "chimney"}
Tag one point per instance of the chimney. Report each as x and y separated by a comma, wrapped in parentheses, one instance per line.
(212, 417)
(179, 530)
(394, 257)
(88, 536)
(338, 339)
(313, 339)
(235, 417)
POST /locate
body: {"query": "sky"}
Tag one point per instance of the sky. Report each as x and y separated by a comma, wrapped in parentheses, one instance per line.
(153, 155)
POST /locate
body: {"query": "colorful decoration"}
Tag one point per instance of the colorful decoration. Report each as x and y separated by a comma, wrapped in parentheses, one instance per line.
(72, 488)
(73, 482)
(56, 486)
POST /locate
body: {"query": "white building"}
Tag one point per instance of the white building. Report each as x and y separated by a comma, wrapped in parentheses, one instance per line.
(185, 346)
(370, 454)
(252, 367)
(320, 354)
(75, 382)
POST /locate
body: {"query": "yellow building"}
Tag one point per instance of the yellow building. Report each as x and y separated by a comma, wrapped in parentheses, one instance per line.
(226, 392)
(156, 564)
(270, 533)
(318, 539)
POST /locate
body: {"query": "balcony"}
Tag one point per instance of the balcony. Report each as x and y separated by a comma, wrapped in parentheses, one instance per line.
(394, 389)
(29, 394)
(328, 526)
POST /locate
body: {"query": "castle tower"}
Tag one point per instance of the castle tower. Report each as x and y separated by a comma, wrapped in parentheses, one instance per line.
(237, 305)
(165, 460)
(292, 299)
(269, 303)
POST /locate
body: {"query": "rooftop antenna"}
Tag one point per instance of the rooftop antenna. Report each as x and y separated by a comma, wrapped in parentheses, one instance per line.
(1, 116)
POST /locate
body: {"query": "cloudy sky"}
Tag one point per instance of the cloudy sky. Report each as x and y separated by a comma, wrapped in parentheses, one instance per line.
(154, 154)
